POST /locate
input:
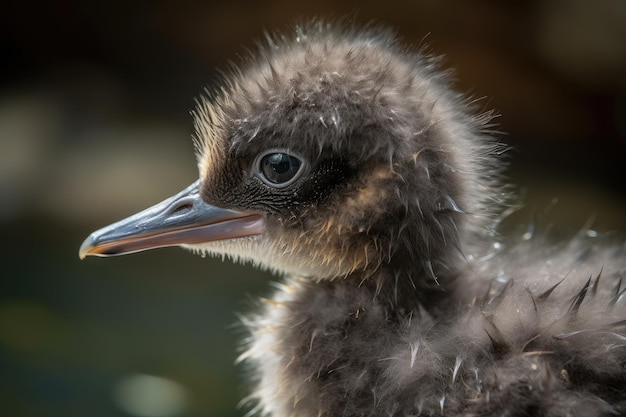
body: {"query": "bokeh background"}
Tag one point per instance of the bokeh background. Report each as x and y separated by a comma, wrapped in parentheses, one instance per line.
(94, 125)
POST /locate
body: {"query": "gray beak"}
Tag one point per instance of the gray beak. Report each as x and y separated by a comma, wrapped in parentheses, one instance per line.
(184, 219)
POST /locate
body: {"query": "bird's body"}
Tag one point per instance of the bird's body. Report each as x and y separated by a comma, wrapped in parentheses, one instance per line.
(346, 163)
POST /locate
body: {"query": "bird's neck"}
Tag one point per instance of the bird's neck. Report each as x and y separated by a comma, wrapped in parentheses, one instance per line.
(402, 291)
(318, 343)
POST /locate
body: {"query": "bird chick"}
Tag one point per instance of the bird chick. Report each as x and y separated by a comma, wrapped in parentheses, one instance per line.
(345, 162)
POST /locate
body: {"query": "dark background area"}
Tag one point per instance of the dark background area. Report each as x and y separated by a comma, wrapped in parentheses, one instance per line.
(95, 125)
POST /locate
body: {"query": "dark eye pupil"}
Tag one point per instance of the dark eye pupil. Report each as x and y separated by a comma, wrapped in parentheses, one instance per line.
(279, 168)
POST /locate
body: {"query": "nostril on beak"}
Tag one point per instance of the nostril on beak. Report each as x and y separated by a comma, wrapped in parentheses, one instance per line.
(181, 206)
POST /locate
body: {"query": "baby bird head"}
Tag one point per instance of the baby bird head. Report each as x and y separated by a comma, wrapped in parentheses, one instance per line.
(332, 152)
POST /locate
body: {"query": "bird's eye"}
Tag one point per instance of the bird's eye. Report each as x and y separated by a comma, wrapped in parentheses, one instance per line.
(278, 169)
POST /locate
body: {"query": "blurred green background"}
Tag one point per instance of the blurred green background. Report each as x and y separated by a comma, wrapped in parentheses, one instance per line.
(95, 125)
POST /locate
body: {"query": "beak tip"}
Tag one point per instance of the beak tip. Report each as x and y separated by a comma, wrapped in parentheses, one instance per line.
(86, 247)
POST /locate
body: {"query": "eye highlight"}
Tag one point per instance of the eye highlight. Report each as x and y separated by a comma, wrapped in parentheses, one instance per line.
(278, 168)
